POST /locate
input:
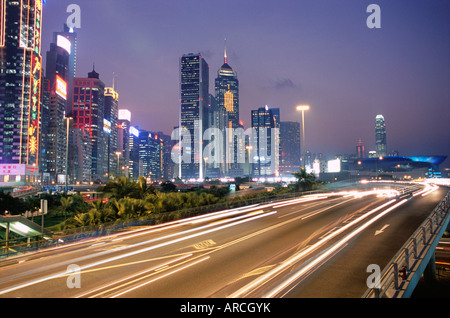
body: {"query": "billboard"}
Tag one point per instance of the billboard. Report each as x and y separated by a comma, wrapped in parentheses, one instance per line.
(61, 87)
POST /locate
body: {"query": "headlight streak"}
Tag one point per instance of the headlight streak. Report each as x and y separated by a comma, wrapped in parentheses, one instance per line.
(132, 276)
(326, 254)
(292, 260)
(242, 219)
(160, 277)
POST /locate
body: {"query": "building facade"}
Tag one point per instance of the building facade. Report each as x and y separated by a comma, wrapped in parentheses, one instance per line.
(88, 113)
(380, 136)
(20, 84)
(194, 88)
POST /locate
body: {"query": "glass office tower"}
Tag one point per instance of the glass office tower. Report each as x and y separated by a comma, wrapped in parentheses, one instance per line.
(194, 87)
(380, 135)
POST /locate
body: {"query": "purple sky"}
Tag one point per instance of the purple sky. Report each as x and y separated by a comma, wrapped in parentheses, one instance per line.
(286, 52)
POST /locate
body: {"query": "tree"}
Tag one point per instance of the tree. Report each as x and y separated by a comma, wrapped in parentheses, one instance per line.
(305, 181)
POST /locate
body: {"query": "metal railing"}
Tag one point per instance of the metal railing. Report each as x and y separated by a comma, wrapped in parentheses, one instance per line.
(400, 270)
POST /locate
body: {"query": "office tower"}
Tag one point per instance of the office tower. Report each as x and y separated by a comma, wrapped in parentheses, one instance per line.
(88, 112)
(150, 153)
(58, 76)
(218, 120)
(194, 87)
(80, 156)
(290, 147)
(68, 39)
(380, 135)
(227, 92)
(110, 129)
(135, 164)
(123, 137)
(20, 87)
(266, 156)
(227, 96)
(360, 151)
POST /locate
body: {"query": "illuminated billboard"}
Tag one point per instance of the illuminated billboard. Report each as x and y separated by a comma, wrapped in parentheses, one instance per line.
(124, 114)
(106, 126)
(134, 131)
(334, 166)
(61, 87)
(63, 43)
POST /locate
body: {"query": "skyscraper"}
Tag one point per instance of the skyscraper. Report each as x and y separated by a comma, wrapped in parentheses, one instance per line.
(266, 156)
(111, 120)
(194, 89)
(227, 92)
(290, 147)
(20, 82)
(227, 97)
(58, 76)
(380, 135)
(88, 112)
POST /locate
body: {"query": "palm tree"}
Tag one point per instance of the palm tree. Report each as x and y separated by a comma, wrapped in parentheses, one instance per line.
(119, 188)
(142, 189)
(305, 181)
(66, 203)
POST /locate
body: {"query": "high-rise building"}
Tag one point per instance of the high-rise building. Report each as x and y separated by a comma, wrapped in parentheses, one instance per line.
(380, 136)
(227, 92)
(227, 97)
(266, 155)
(290, 147)
(194, 89)
(151, 155)
(123, 137)
(135, 163)
(20, 87)
(110, 129)
(88, 112)
(58, 76)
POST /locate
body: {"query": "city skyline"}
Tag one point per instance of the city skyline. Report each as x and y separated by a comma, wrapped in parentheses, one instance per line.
(285, 54)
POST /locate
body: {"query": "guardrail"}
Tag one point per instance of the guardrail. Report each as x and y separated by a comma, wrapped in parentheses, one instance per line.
(402, 273)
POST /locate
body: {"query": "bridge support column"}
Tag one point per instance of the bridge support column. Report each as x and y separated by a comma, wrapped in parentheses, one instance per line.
(429, 274)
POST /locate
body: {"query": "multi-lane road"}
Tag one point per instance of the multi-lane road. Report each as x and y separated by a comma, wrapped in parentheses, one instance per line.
(313, 246)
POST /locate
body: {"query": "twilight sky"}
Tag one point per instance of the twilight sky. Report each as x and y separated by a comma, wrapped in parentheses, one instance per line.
(286, 52)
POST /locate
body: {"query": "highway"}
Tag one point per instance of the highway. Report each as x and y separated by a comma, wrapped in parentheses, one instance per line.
(313, 246)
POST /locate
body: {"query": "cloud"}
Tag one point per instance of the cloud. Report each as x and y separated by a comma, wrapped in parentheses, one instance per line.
(284, 83)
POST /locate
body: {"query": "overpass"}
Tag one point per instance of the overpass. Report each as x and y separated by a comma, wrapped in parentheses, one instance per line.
(282, 248)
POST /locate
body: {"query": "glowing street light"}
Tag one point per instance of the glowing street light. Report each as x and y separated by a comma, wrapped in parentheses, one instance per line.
(303, 108)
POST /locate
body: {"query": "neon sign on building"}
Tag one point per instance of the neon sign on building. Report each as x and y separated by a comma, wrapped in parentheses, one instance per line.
(35, 89)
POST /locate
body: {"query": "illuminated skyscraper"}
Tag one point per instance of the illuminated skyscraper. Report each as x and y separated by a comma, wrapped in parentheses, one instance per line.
(110, 129)
(227, 97)
(194, 88)
(88, 113)
(266, 156)
(20, 83)
(227, 92)
(58, 76)
(380, 135)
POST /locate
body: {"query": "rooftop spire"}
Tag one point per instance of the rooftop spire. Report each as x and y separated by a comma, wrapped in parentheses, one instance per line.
(225, 58)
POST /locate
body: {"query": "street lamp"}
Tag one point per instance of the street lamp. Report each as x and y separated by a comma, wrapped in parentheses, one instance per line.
(302, 108)
(68, 119)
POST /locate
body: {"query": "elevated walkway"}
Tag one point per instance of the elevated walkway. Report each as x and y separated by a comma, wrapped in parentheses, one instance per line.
(26, 233)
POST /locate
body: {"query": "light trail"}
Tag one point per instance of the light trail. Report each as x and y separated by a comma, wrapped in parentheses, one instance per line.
(275, 271)
(329, 252)
(153, 247)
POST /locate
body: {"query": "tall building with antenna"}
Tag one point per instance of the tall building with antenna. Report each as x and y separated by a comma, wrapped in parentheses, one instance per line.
(380, 136)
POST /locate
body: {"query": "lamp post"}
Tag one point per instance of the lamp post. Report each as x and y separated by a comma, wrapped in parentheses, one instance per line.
(303, 108)
(67, 152)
